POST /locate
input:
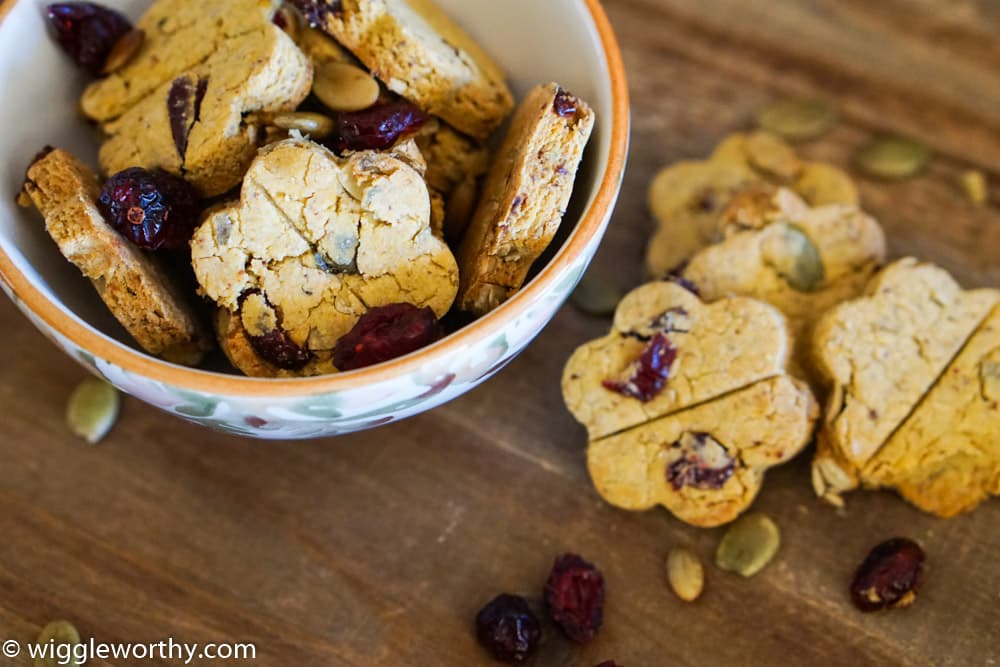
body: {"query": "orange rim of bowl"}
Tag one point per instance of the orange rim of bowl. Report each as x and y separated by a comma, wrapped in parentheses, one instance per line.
(139, 363)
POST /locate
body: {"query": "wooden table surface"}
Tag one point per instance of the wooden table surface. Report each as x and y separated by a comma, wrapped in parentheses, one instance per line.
(378, 548)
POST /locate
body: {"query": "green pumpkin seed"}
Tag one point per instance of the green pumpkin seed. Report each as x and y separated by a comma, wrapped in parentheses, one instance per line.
(749, 545)
(595, 296)
(973, 183)
(797, 120)
(59, 633)
(685, 574)
(797, 260)
(92, 409)
(892, 158)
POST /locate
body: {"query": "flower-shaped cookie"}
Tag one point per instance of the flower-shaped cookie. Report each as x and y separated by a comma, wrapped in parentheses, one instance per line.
(706, 464)
(677, 376)
(314, 243)
(687, 198)
(801, 260)
(913, 368)
(181, 103)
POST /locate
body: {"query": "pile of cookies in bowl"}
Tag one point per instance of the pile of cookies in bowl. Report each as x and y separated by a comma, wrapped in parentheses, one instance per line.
(312, 186)
(776, 320)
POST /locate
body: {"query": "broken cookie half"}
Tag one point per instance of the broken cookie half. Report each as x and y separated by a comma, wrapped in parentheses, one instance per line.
(914, 374)
(686, 404)
(315, 242)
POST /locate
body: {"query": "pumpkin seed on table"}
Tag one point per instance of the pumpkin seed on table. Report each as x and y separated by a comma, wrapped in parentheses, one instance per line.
(973, 183)
(685, 574)
(892, 158)
(123, 51)
(59, 633)
(749, 545)
(92, 409)
(797, 119)
(595, 296)
(344, 87)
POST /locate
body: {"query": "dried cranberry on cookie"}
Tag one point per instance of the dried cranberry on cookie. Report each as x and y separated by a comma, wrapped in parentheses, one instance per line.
(185, 102)
(687, 404)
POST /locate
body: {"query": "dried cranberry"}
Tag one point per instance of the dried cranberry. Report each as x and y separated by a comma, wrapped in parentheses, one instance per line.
(152, 209)
(889, 577)
(184, 108)
(508, 629)
(386, 333)
(275, 345)
(574, 594)
(703, 464)
(649, 374)
(565, 104)
(316, 11)
(609, 663)
(376, 128)
(87, 31)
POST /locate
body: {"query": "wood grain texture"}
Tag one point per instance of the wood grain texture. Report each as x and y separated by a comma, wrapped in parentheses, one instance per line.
(378, 548)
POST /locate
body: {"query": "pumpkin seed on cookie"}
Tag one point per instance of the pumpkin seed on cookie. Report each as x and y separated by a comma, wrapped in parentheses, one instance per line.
(796, 119)
(892, 158)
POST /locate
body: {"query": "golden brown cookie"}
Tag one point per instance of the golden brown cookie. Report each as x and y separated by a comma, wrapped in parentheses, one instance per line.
(422, 55)
(712, 350)
(706, 464)
(880, 355)
(801, 260)
(131, 283)
(524, 197)
(315, 242)
(687, 198)
(945, 459)
(184, 103)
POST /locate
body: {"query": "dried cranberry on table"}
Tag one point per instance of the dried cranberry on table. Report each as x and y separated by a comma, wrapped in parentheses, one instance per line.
(574, 595)
(609, 663)
(508, 629)
(152, 209)
(386, 333)
(889, 576)
(650, 372)
(375, 128)
(87, 32)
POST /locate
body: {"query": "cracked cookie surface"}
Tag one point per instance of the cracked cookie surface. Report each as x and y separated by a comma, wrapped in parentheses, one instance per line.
(688, 198)
(706, 464)
(799, 259)
(131, 282)
(524, 197)
(322, 239)
(945, 459)
(881, 354)
(180, 104)
(719, 348)
(422, 55)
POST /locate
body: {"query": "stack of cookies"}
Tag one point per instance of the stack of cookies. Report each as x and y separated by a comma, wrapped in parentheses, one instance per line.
(340, 154)
(769, 271)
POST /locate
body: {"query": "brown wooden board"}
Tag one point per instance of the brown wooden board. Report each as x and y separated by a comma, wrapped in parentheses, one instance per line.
(378, 548)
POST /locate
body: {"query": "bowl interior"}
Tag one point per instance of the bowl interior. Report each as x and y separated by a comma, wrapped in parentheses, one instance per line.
(536, 42)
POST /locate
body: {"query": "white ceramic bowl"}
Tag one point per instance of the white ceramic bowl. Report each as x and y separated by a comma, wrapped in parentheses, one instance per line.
(569, 41)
